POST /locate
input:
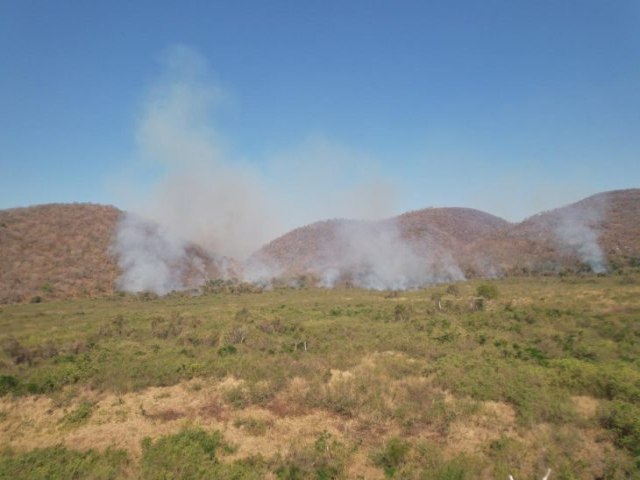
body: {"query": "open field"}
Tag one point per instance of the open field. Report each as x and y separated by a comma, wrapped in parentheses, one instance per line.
(311, 383)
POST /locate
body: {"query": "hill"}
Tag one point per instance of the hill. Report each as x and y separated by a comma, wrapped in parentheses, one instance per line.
(601, 231)
(405, 251)
(56, 250)
(65, 250)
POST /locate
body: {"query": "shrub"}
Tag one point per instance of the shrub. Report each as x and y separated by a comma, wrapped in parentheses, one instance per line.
(392, 457)
(242, 315)
(167, 327)
(488, 291)
(325, 459)
(453, 289)
(80, 415)
(236, 335)
(402, 313)
(227, 350)
(18, 353)
(117, 327)
(192, 454)
(623, 419)
(8, 383)
(254, 426)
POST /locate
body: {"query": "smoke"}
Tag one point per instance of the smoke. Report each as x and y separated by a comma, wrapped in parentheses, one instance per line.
(199, 193)
(202, 195)
(150, 257)
(366, 254)
(577, 231)
(373, 255)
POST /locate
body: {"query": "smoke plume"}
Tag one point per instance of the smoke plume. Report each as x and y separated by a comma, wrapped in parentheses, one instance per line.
(577, 231)
(202, 195)
(150, 257)
(374, 255)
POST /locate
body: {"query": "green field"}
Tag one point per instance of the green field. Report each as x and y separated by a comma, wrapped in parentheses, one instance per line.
(464, 381)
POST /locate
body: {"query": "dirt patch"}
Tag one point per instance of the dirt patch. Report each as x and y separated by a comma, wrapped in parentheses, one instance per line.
(472, 434)
(586, 406)
(360, 467)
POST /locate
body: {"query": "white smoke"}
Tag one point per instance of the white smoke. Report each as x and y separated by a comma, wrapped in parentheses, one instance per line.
(227, 206)
(577, 231)
(203, 196)
(150, 257)
(373, 255)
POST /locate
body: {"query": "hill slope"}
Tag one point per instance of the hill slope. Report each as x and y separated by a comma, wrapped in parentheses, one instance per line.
(602, 231)
(409, 250)
(65, 250)
(56, 250)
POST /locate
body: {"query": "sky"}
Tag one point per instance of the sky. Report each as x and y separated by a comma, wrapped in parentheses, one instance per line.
(352, 108)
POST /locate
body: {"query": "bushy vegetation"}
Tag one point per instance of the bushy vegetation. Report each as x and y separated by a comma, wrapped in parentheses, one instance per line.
(487, 290)
(60, 463)
(189, 455)
(546, 373)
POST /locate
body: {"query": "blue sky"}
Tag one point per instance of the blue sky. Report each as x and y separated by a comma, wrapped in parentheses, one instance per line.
(507, 106)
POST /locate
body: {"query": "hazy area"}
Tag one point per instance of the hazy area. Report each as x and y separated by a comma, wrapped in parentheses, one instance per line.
(228, 206)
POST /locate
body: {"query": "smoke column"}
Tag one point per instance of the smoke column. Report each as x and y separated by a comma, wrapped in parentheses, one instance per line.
(204, 196)
(577, 231)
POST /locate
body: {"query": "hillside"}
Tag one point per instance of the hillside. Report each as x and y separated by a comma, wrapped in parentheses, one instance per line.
(65, 250)
(566, 237)
(56, 250)
(602, 231)
(431, 236)
(62, 250)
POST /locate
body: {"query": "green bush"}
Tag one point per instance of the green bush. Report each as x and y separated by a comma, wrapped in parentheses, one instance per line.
(325, 459)
(192, 454)
(80, 415)
(8, 383)
(227, 350)
(488, 291)
(623, 419)
(392, 457)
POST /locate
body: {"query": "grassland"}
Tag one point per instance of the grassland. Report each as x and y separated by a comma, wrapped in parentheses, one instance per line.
(309, 383)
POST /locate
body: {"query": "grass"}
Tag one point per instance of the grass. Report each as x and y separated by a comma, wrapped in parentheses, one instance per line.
(79, 415)
(62, 463)
(495, 390)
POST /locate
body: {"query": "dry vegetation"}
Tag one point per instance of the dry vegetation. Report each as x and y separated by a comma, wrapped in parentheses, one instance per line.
(64, 250)
(462, 381)
(61, 251)
(530, 247)
(482, 244)
(56, 251)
